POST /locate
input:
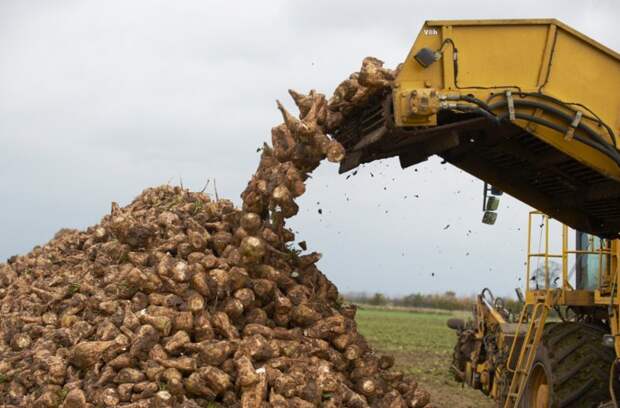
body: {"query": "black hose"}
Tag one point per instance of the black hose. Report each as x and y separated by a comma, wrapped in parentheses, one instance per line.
(562, 130)
(612, 154)
(476, 101)
(568, 105)
(488, 114)
(555, 111)
(598, 144)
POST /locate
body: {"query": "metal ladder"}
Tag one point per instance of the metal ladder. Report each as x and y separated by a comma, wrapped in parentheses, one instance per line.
(528, 350)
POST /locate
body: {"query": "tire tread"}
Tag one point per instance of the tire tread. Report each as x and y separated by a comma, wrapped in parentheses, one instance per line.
(578, 362)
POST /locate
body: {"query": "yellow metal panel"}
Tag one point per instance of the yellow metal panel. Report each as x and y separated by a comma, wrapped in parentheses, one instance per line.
(528, 21)
(493, 56)
(564, 297)
(584, 74)
(577, 298)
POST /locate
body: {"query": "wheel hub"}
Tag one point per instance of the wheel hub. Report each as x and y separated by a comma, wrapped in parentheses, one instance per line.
(539, 388)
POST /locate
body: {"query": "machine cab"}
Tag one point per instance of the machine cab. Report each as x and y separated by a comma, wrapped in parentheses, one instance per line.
(592, 260)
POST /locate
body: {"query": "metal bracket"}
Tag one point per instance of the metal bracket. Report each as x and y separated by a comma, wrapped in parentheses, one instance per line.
(511, 106)
(570, 133)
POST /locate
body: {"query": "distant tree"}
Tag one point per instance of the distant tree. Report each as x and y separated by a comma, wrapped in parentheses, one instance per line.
(447, 301)
(378, 299)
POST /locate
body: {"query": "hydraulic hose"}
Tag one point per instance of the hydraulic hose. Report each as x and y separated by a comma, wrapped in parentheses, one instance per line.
(598, 143)
(568, 105)
(476, 101)
(556, 112)
(468, 108)
(612, 154)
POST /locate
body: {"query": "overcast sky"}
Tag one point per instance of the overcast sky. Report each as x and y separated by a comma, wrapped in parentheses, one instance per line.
(101, 99)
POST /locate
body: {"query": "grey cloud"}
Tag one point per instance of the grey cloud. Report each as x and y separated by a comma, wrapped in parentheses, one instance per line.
(103, 99)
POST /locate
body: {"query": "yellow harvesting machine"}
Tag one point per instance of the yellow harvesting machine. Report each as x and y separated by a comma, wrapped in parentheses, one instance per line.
(531, 107)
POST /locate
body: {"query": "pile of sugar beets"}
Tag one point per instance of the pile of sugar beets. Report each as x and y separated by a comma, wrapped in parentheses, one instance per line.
(178, 300)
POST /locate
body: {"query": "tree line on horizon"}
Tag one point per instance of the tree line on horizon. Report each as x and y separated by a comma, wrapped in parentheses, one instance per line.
(448, 300)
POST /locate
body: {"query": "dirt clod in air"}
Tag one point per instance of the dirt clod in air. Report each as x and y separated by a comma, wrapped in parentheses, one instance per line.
(179, 300)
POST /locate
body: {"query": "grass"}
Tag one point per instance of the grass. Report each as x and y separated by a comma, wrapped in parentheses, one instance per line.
(422, 345)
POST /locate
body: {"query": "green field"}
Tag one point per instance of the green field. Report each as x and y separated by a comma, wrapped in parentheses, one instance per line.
(422, 345)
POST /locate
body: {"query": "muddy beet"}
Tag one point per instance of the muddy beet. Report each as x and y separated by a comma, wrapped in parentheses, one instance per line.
(178, 300)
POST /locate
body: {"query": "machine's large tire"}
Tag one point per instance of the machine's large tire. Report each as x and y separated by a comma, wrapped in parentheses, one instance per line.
(574, 364)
